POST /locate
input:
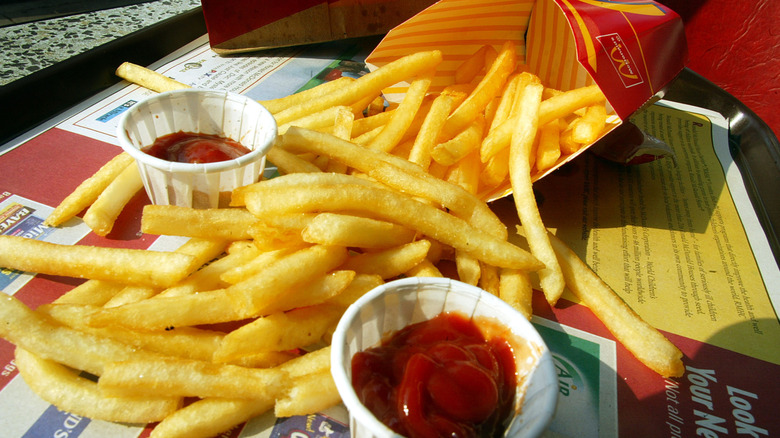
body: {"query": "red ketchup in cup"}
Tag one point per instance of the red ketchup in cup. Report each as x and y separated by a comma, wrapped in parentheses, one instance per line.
(189, 147)
(438, 378)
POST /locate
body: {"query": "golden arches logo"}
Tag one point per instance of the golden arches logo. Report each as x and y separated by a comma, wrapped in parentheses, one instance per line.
(640, 8)
(621, 63)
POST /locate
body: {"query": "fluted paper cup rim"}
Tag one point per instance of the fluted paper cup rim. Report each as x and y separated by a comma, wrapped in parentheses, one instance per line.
(542, 374)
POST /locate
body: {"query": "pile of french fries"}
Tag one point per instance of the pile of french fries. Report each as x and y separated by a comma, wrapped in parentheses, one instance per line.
(240, 316)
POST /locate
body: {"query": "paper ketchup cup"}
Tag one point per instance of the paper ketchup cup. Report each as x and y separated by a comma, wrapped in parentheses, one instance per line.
(397, 304)
(198, 185)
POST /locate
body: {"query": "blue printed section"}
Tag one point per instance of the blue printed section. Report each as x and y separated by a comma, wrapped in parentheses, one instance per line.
(116, 111)
(309, 426)
(58, 424)
(20, 220)
(32, 228)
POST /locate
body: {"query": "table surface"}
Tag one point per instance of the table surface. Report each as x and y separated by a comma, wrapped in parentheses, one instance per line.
(30, 46)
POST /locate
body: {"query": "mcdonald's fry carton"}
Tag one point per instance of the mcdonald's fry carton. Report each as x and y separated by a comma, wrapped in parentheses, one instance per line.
(631, 49)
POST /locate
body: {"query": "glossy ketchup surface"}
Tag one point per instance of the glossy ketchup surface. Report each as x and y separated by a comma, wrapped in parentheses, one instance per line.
(438, 378)
(190, 147)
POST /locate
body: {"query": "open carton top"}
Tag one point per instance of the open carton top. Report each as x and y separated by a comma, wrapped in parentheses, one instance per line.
(630, 49)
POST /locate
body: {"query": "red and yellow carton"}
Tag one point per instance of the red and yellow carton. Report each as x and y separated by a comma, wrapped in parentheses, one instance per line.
(236, 26)
(631, 49)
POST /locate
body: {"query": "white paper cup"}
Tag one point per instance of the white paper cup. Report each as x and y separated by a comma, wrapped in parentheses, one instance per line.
(395, 305)
(205, 185)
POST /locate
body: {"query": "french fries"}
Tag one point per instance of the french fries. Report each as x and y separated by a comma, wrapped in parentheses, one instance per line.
(89, 190)
(361, 200)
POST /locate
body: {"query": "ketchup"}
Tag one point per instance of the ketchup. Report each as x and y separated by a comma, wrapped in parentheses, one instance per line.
(438, 378)
(190, 147)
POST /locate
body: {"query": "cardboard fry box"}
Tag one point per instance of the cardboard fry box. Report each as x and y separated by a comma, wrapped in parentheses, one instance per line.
(630, 49)
(236, 26)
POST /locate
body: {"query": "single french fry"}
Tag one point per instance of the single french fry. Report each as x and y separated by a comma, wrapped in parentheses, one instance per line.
(209, 417)
(496, 170)
(235, 273)
(343, 124)
(566, 140)
(644, 341)
(550, 276)
(130, 266)
(131, 294)
(102, 214)
(188, 378)
(355, 231)
(430, 130)
(468, 267)
(287, 162)
(588, 128)
(370, 123)
(314, 292)
(208, 223)
(147, 78)
(424, 269)
(310, 363)
(390, 262)
(91, 292)
(516, 289)
(170, 312)
(361, 284)
(488, 87)
(308, 394)
(454, 149)
(276, 105)
(370, 84)
(319, 120)
(64, 388)
(394, 130)
(549, 149)
(279, 331)
(295, 180)
(367, 137)
(505, 101)
(567, 102)
(88, 191)
(264, 359)
(376, 106)
(466, 172)
(490, 279)
(204, 250)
